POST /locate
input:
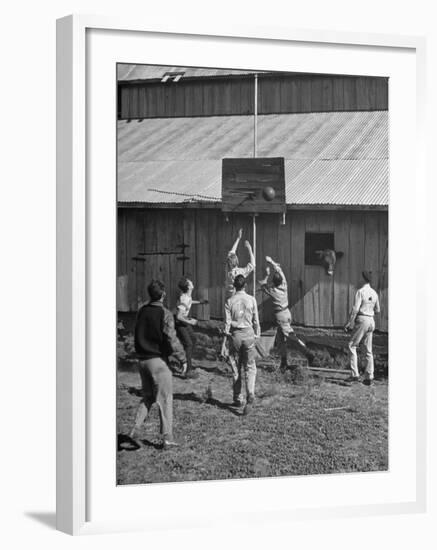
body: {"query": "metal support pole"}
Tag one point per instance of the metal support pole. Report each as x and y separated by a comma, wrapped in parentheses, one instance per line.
(255, 141)
(254, 253)
(255, 117)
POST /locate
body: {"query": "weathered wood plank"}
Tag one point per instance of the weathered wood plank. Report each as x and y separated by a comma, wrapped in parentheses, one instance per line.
(327, 94)
(341, 275)
(297, 252)
(131, 252)
(312, 278)
(338, 94)
(247, 97)
(190, 106)
(316, 95)
(383, 282)
(140, 283)
(356, 253)
(349, 94)
(326, 282)
(124, 92)
(203, 275)
(382, 88)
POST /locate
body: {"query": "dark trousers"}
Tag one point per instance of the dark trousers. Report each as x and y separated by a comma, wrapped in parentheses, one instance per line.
(186, 335)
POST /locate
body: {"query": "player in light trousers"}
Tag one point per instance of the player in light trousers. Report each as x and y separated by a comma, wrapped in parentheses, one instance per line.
(242, 328)
(362, 322)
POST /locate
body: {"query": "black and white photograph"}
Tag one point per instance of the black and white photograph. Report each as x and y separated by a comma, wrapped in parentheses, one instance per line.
(252, 274)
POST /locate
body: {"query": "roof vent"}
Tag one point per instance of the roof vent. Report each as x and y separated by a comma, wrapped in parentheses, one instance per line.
(172, 76)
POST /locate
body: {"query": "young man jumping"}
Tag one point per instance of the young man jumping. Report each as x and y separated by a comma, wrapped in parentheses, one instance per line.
(232, 271)
(277, 290)
(232, 265)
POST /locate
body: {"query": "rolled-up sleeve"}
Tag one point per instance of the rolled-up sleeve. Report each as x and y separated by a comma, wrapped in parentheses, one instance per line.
(357, 303)
(256, 326)
(172, 340)
(377, 305)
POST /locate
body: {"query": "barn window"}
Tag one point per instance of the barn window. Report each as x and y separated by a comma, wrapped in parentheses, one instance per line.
(317, 241)
(171, 76)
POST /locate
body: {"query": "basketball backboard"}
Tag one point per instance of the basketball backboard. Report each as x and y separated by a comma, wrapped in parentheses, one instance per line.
(253, 185)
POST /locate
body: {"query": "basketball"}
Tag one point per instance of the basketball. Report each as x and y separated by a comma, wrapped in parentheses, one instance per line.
(268, 193)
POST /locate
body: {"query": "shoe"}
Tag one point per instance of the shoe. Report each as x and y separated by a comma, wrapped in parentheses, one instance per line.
(368, 382)
(169, 444)
(237, 403)
(353, 379)
(249, 405)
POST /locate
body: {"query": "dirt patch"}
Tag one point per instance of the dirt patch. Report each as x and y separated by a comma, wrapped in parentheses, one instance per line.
(328, 345)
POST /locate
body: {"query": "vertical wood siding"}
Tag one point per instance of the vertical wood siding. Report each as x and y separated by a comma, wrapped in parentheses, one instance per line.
(316, 298)
(234, 96)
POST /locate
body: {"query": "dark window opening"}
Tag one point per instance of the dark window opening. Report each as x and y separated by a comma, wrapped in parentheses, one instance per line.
(317, 241)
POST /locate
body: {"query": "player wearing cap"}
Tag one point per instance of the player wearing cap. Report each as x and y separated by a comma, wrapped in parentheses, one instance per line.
(362, 322)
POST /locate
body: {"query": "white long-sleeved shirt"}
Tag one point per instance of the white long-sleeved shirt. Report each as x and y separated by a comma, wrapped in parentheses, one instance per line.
(241, 311)
(366, 302)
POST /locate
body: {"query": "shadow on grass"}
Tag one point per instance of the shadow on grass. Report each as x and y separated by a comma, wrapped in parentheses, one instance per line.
(126, 443)
(208, 401)
(214, 370)
(188, 397)
(224, 406)
(134, 391)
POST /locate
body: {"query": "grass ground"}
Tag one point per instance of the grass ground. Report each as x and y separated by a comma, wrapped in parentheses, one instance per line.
(321, 425)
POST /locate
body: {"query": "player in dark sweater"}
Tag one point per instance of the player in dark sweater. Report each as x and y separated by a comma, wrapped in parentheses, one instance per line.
(155, 341)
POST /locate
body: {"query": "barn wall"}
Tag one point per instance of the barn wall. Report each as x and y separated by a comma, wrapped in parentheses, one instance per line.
(234, 96)
(316, 298)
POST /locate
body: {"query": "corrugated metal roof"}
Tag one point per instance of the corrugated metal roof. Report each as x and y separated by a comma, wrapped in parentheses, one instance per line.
(129, 72)
(330, 158)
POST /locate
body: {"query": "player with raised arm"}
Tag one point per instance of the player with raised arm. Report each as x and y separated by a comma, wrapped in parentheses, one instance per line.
(277, 289)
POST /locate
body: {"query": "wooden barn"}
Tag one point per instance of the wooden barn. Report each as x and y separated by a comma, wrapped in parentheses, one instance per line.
(175, 127)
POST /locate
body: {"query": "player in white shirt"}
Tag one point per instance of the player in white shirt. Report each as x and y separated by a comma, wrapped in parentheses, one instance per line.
(362, 322)
(184, 323)
(242, 327)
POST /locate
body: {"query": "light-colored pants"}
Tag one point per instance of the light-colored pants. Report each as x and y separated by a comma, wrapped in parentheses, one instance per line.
(364, 327)
(157, 387)
(283, 320)
(287, 335)
(243, 350)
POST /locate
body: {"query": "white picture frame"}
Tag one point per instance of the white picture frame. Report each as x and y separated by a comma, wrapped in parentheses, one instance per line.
(73, 261)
